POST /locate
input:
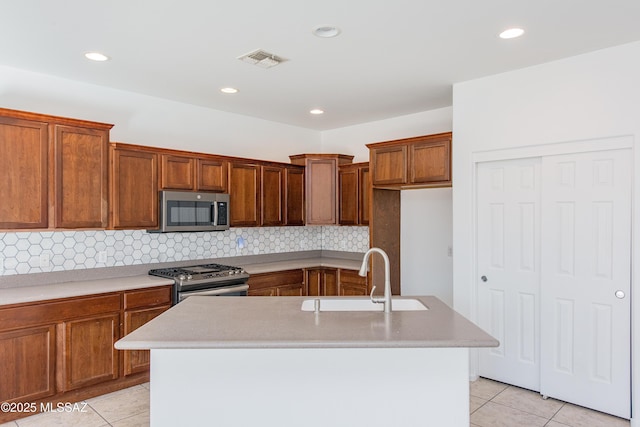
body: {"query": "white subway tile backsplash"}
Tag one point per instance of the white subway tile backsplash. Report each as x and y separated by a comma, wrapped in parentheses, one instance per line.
(21, 252)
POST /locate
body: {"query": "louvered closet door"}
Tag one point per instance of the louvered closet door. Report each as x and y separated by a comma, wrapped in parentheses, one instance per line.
(508, 242)
(585, 293)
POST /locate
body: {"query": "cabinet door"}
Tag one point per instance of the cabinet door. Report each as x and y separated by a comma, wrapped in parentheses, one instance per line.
(430, 161)
(28, 362)
(134, 189)
(389, 165)
(177, 173)
(138, 360)
(80, 177)
(272, 195)
(321, 282)
(322, 175)
(364, 196)
(348, 195)
(24, 174)
(212, 175)
(350, 283)
(86, 352)
(294, 195)
(244, 194)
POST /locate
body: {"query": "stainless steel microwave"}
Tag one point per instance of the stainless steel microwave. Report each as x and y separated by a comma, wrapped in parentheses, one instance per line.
(192, 211)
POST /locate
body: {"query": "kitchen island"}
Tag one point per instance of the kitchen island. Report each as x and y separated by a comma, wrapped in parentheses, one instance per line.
(238, 361)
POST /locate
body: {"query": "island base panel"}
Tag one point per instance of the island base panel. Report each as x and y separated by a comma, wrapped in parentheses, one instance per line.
(310, 387)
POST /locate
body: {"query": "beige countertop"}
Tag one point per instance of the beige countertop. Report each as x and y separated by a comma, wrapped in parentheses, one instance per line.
(25, 294)
(278, 322)
(269, 267)
(79, 288)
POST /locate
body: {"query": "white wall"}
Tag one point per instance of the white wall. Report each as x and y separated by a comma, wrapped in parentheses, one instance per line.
(353, 139)
(596, 95)
(145, 120)
(426, 234)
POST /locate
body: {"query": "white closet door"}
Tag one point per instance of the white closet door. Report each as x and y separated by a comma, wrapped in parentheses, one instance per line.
(585, 292)
(508, 194)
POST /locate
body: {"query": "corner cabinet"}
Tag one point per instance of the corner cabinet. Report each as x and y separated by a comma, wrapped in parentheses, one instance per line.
(54, 170)
(321, 186)
(419, 162)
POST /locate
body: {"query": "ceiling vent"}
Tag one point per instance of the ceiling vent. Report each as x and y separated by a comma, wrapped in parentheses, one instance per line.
(262, 59)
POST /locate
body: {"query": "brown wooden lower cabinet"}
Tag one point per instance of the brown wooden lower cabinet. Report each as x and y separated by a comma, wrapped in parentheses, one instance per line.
(351, 283)
(321, 281)
(63, 350)
(279, 283)
(86, 353)
(315, 281)
(28, 364)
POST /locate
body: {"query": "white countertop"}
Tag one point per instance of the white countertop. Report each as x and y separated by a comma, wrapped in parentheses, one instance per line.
(278, 322)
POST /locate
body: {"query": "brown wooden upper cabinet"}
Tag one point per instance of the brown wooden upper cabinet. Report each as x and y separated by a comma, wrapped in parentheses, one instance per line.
(423, 161)
(294, 195)
(353, 194)
(193, 173)
(53, 170)
(244, 194)
(321, 186)
(272, 194)
(133, 191)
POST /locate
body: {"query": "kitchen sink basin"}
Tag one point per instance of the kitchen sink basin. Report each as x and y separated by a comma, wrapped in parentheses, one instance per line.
(361, 304)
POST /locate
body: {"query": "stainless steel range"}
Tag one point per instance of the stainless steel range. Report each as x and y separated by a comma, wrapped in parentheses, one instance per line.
(206, 279)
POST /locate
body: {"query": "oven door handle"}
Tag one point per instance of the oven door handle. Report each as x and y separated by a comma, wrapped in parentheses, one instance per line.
(217, 291)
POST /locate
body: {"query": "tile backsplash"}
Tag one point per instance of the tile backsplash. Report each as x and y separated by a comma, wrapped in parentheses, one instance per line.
(38, 252)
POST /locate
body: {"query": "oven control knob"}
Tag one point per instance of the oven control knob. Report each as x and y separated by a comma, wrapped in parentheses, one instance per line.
(182, 277)
(189, 277)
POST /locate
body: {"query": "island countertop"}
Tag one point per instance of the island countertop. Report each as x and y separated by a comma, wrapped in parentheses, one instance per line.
(278, 322)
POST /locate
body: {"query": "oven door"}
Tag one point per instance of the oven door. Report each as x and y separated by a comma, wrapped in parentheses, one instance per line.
(223, 291)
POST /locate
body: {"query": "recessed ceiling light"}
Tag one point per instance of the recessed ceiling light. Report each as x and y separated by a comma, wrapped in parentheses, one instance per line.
(96, 56)
(316, 111)
(326, 31)
(511, 33)
(229, 90)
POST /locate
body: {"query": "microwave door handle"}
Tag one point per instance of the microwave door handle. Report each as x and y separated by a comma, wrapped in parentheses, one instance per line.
(214, 213)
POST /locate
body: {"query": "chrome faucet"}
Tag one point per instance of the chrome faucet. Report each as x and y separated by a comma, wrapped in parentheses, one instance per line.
(386, 300)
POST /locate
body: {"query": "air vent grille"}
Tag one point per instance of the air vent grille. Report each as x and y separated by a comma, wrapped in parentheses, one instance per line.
(262, 58)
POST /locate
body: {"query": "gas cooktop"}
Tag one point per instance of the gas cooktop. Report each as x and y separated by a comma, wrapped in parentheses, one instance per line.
(210, 272)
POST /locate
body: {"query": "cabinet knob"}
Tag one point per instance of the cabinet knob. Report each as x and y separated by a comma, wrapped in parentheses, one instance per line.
(620, 294)
(484, 278)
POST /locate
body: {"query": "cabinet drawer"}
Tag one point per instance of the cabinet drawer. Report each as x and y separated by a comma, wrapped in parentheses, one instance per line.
(45, 312)
(147, 297)
(279, 278)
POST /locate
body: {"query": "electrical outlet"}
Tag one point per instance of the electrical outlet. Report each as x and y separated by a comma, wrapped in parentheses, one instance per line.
(102, 257)
(45, 260)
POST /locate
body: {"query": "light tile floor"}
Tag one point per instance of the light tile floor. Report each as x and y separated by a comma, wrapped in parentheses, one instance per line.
(492, 404)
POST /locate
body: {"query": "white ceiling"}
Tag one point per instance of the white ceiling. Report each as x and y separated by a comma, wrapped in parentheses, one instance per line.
(392, 58)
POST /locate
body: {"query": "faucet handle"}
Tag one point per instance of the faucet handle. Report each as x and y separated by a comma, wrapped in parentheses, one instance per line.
(374, 300)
